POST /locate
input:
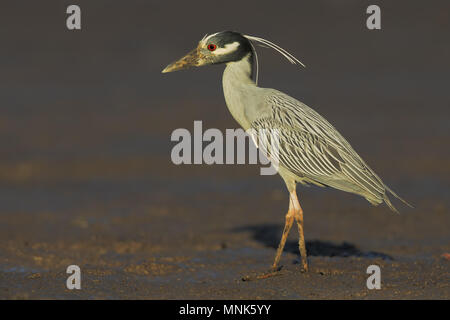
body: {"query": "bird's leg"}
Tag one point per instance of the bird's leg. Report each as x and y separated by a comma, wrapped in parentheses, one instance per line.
(294, 212)
(298, 213)
(287, 227)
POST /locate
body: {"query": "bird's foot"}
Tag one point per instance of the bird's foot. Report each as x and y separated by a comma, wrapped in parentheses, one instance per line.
(274, 271)
(303, 266)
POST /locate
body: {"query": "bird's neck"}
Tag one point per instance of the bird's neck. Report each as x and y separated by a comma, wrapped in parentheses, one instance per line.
(237, 87)
(240, 72)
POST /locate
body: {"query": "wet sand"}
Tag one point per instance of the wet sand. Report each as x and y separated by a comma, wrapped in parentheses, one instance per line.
(86, 176)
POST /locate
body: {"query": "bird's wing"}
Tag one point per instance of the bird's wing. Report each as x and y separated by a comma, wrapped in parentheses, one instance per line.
(311, 148)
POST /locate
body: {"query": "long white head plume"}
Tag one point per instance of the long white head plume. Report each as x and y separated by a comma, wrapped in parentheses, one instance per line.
(257, 63)
(267, 43)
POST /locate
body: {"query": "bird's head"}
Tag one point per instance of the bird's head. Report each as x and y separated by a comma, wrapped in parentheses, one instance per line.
(221, 47)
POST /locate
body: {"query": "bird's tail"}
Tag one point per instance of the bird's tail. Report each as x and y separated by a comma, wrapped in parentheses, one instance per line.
(388, 202)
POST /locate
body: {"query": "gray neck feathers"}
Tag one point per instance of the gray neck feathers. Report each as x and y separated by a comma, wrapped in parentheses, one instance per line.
(238, 88)
(240, 71)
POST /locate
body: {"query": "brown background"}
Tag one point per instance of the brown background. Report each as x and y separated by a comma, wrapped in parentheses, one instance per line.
(85, 170)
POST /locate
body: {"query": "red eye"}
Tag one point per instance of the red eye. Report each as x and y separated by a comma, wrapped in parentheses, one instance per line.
(211, 47)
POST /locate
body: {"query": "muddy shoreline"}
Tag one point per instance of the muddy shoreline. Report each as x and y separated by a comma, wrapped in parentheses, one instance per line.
(86, 176)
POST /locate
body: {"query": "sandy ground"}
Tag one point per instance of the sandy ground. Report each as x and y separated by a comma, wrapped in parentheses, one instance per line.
(86, 176)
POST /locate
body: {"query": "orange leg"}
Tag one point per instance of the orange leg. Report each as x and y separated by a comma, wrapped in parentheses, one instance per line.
(287, 227)
(295, 211)
(301, 240)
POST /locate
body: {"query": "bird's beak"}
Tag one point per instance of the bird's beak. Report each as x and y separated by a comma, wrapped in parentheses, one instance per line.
(192, 59)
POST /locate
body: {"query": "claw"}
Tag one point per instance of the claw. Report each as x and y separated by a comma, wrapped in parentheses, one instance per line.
(273, 272)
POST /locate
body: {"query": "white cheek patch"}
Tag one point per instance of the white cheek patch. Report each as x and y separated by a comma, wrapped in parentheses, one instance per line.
(229, 47)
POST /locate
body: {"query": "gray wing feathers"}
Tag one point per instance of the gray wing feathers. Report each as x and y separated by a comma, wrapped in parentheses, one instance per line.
(312, 149)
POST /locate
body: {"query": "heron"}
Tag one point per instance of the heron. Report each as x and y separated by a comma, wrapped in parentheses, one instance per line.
(310, 151)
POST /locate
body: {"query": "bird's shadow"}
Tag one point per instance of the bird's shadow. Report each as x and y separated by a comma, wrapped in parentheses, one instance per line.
(270, 235)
